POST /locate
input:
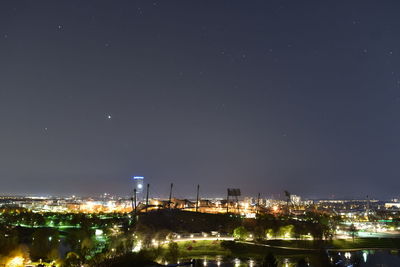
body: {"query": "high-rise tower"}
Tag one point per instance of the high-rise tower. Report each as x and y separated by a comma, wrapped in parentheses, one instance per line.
(138, 185)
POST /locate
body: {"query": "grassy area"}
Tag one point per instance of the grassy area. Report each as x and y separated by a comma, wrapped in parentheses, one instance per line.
(203, 247)
(214, 248)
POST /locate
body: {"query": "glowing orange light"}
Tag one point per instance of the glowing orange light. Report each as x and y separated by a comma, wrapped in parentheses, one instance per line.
(15, 262)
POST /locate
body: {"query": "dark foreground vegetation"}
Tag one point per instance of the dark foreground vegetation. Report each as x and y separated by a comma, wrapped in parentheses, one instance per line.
(77, 239)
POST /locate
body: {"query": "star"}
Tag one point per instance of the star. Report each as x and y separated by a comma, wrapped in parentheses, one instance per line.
(109, 117)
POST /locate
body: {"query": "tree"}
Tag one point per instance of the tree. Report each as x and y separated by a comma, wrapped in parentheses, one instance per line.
(269, 261)
(142, 258)
(353, 231)
(240, 233)
(286, 231)
(86, 247)
(270, 233)
(259, 233)
(302, 263)
(72, 260)
(172, 252)
(53, 254)
(287, 195)
(146, 233)
(44, 243)
(8, 241)
(162, 234)
(80, 242)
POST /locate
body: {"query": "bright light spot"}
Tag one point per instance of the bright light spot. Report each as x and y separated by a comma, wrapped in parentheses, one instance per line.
(138, 247)
(16, 262)
(286, 262)
(365, 254)
(98, 232)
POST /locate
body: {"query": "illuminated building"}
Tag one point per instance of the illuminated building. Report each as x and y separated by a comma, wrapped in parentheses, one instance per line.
(391, 205)
(139, 186)
(295, 199)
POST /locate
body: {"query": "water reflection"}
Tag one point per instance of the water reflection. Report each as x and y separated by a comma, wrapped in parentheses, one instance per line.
(365, 258)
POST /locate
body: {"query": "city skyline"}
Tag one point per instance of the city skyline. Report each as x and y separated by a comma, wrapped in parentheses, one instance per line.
(262, 96)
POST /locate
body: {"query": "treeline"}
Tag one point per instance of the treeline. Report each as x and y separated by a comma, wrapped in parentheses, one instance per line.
(267, 226)
(190, 222)
(28, 218)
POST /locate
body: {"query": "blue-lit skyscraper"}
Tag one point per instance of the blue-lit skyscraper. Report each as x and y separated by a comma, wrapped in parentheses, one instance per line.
(138, 185)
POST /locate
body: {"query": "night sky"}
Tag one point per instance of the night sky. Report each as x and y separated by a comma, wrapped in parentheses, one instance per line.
(264, 96)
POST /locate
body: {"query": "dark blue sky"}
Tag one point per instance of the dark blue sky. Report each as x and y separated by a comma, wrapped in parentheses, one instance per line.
(265, 96)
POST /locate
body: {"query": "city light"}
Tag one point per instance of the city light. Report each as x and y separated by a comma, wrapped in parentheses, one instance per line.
(17, 261)
(138, 247)
(365, 255)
